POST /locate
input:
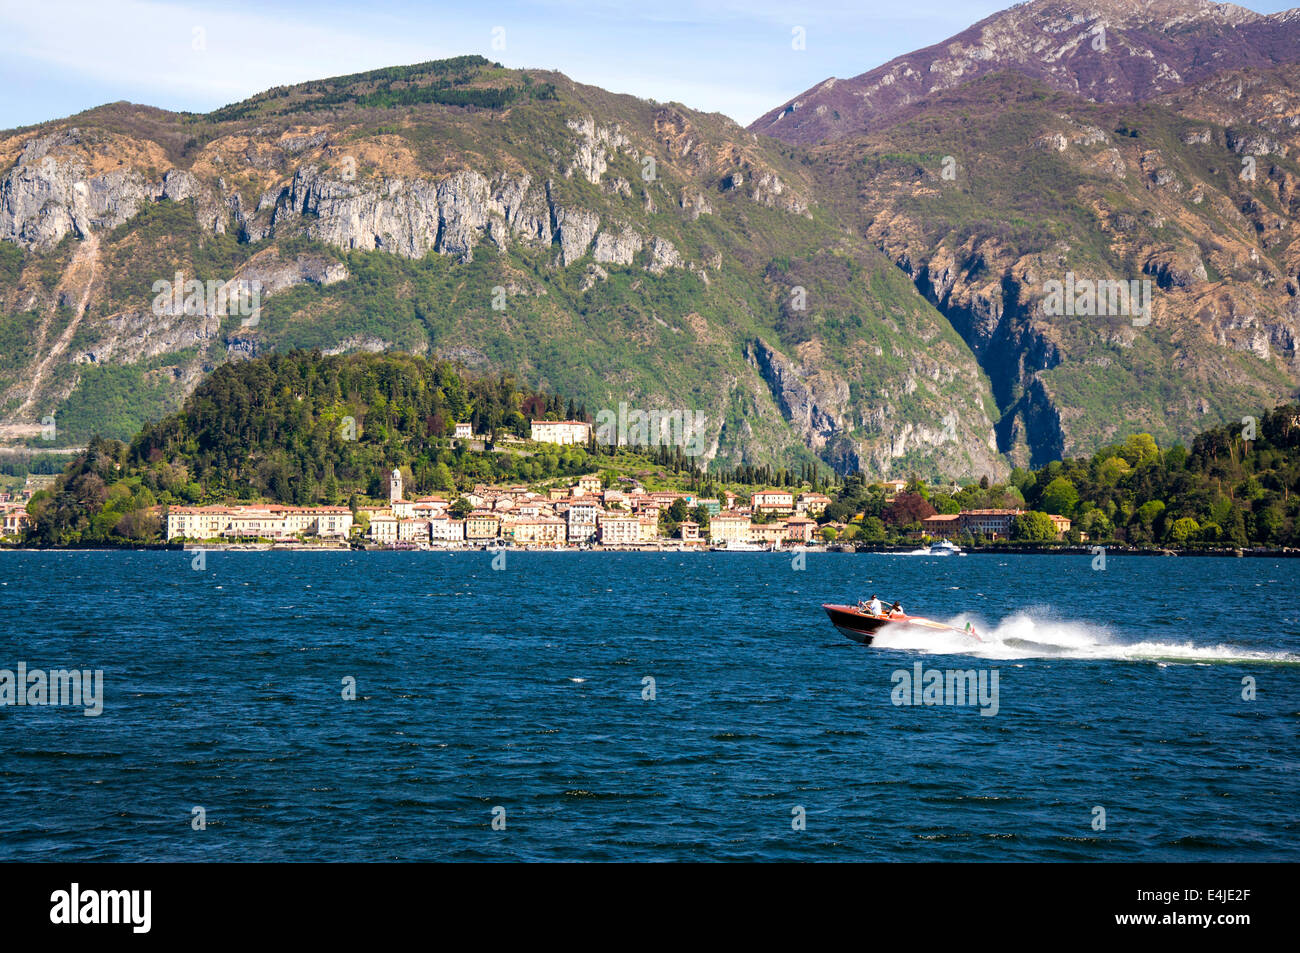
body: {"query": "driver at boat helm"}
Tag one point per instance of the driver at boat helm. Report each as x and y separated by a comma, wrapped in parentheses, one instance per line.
(874, 605)
(896, 611)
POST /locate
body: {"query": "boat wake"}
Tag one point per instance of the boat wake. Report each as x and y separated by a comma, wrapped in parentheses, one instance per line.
(1023, 636)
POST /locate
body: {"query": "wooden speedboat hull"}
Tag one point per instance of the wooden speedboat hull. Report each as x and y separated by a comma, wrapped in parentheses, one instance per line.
(862, 626)
(854, 623)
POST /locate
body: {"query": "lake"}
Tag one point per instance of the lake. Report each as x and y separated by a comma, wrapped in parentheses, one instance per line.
(648, 706)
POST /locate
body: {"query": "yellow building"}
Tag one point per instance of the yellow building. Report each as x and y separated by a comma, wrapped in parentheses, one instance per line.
(481, 525)
(729, 528)
(622, 529)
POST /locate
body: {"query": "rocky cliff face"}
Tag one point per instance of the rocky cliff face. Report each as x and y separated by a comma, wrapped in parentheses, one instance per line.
(48, 194)
(60, 185)
(1100, 50)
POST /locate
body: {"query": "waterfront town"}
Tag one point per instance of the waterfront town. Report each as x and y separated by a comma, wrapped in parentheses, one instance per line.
(585, 513)
(591, 511)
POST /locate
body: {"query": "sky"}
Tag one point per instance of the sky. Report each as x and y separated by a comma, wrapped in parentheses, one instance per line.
(59, 57)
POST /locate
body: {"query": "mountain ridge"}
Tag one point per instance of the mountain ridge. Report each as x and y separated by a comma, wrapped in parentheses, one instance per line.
(1119, 50)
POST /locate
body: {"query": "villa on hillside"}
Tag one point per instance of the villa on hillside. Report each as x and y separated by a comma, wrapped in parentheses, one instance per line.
(563, 432)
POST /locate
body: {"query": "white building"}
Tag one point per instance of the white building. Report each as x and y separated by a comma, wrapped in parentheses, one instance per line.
(444, 529)
(383, 528)
(413, 531)
(561, 431)
(773, 501)
(582, 516)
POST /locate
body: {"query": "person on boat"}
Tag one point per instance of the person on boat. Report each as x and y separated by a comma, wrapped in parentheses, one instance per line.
(874, 605)
(896, 611)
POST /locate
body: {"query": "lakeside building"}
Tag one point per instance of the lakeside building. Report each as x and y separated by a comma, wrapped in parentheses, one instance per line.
(619, 529)
(800, 529)
(482, 525)
(563, 432)
(14, 518)
(383, 528)
(941, 524)
(994, 523)
(465, 431)
(542, 530)
(412, 531)
(1061, 523)
(729, 528)
(444, 529)
(271, 521)
(583, 517)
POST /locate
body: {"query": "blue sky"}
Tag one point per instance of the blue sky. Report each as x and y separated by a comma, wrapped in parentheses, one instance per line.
(58, 57)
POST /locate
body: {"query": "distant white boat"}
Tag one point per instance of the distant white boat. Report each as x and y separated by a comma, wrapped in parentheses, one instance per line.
(940, 548)
(732, 546)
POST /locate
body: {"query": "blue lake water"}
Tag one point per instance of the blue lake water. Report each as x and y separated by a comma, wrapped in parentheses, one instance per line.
(519, 693)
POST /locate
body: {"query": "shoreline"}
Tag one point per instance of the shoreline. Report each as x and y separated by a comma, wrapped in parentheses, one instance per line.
(835, 548)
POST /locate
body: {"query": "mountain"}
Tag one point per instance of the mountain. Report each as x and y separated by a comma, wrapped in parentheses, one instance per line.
(1112, 51)
(604, 247)
(986, 194)
(1117, 141)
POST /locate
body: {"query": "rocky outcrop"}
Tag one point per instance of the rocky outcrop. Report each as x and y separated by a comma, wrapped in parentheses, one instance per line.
(416, 216)
(49, 193)
(816, 416)
(593, 147)
(135, 336)
(575, 230)
(616, 247)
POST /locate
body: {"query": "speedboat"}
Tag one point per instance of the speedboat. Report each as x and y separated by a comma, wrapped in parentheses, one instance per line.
(858, 624)
(945, 548)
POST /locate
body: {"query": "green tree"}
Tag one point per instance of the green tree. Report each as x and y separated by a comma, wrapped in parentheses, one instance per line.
(1059, 497)
(1183, 530)
(1033, 527)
